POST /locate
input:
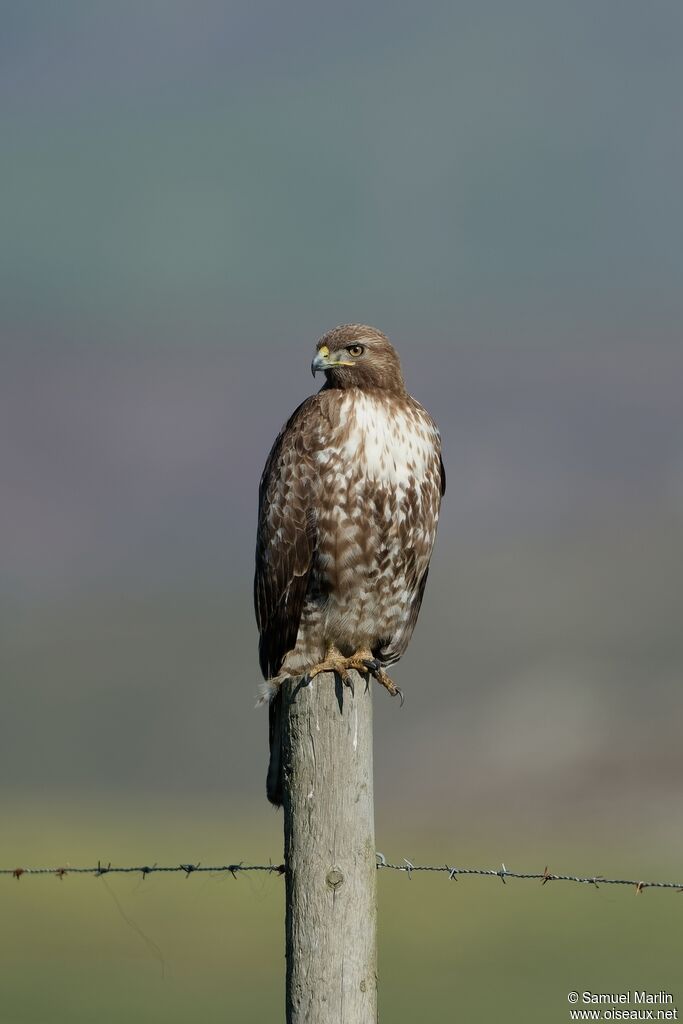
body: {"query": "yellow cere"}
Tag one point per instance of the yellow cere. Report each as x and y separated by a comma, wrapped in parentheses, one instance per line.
(324, 351)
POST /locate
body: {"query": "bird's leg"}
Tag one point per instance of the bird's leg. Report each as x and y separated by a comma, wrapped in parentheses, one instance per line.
(334, 661)
(373, 666)
(362, 661)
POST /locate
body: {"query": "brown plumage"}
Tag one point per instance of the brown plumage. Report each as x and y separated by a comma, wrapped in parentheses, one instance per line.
(348, 507)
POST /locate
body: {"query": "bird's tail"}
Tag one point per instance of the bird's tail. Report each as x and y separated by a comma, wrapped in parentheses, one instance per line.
(274, 778)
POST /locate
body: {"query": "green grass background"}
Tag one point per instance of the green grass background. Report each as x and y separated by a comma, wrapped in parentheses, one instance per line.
(210, 948)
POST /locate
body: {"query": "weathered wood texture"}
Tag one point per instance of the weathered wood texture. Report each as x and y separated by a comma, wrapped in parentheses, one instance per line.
(331, 876)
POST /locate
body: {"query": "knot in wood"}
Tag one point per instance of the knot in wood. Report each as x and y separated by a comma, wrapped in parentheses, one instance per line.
(334, 879)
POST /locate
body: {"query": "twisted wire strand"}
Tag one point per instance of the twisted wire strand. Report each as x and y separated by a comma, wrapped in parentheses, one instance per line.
(406, 867)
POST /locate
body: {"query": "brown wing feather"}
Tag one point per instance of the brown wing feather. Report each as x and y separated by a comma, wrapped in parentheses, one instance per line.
(286, 537)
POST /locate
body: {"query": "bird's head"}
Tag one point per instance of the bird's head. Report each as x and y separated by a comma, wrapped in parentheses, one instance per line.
(358, 356)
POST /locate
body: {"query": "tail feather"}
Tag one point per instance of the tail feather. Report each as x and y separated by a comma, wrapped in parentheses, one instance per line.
(274, 778)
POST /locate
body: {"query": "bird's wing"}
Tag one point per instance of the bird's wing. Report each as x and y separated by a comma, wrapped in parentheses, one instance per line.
(286, 537)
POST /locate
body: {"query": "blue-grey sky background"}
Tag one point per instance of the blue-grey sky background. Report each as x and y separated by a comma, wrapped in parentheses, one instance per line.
(191, 195)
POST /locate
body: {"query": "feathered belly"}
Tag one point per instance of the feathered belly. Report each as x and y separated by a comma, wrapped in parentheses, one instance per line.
(362, 581)
(374, 547)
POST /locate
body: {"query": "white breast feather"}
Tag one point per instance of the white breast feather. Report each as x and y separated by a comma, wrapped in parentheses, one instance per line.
(396, 447)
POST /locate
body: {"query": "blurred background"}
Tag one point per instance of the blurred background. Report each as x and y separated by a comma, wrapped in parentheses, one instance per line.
(192, 193)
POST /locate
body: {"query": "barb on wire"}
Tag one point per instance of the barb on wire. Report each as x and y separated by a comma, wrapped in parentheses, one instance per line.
(407, 867)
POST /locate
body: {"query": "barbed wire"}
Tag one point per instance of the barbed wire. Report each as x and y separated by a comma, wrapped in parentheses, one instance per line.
(406, 867)
(146, 869)
(541, 876)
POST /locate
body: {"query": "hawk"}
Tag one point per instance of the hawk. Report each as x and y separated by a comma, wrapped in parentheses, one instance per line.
(348, 508)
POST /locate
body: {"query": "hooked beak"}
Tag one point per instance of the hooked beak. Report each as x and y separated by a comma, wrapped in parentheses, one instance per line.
(319, 363)
(322, 360)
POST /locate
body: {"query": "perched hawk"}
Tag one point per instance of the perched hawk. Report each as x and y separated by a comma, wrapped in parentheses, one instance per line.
(348, 506)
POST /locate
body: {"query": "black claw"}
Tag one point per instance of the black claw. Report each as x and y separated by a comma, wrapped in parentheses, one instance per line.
(348, 681)
(372, 664)
(398, 692)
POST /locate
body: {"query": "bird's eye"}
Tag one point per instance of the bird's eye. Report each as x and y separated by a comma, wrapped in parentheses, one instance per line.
(355, 350)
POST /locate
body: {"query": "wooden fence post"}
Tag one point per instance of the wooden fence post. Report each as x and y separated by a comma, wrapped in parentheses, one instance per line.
(331, 873)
